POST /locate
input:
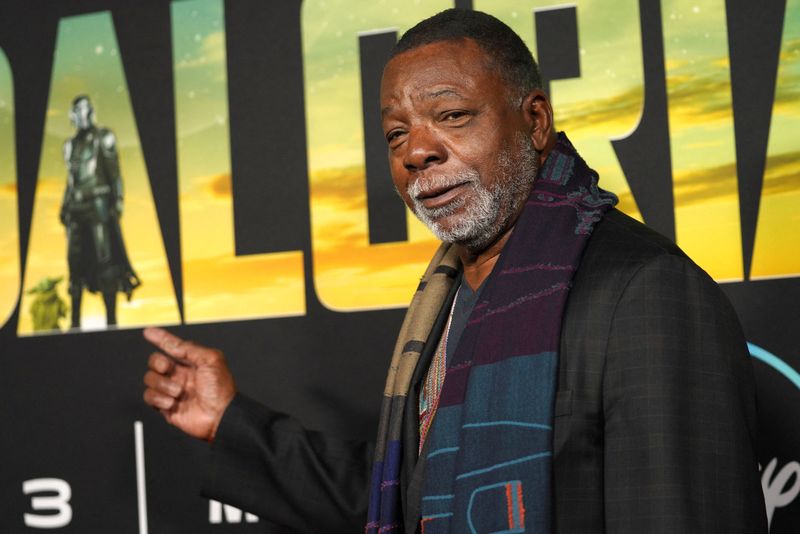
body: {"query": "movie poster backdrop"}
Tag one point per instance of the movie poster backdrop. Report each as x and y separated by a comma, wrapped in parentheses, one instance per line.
(225, 157)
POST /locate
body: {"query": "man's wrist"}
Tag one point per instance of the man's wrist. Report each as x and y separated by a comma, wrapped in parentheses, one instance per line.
(217, 421)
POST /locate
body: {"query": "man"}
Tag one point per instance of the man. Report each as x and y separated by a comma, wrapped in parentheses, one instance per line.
(561, 367)
(90, 211)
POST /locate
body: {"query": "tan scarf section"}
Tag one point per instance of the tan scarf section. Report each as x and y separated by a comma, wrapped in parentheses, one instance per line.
(420, 317)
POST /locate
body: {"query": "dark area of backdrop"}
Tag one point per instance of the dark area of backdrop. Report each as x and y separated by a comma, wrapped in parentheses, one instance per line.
(225, 140)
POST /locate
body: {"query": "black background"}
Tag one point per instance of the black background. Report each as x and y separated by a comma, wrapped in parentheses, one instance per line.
(68, 402)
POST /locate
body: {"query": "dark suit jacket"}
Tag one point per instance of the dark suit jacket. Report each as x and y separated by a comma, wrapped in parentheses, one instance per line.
(655, 421)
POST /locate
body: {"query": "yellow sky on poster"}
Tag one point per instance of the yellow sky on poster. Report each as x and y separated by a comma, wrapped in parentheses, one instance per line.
(9, 247)
(777, 243)
(217, 284)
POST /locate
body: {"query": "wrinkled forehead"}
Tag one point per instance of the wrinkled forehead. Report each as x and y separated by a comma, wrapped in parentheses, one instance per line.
(460, 62)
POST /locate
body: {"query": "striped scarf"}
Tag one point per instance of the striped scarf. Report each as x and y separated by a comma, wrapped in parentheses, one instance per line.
(488, 452)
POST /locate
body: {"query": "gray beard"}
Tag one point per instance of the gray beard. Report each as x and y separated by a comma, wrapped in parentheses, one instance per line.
(490, 209)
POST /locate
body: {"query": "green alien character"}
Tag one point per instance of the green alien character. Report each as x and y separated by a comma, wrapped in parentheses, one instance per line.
(47, 308)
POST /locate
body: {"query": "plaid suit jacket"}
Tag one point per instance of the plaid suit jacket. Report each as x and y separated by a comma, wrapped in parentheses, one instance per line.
(656, 412)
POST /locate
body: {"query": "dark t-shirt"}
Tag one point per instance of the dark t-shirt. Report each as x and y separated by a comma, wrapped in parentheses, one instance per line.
(465, 301)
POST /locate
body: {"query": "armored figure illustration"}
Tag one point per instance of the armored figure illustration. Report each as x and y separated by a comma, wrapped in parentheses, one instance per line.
(90, 211)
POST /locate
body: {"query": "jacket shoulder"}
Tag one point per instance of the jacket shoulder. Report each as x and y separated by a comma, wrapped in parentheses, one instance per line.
(619, 249)
(620, 241)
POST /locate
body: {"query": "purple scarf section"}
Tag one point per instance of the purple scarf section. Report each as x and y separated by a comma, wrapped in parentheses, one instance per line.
(527, 290)
(488, 454)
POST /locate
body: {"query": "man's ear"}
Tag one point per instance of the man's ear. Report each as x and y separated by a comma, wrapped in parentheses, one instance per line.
(539, 115)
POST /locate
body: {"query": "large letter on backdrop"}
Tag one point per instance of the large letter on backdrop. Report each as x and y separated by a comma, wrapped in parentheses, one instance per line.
(9, 231)
(777, 246)
(87, 62)
(349, 272)
(217, 285)
(701, 135)
(604, 101)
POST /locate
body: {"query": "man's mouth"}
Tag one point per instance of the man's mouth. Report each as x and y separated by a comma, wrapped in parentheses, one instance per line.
(438, 196)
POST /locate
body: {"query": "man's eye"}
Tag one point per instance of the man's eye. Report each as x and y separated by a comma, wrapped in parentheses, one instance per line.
(393, 135)
(455, 115)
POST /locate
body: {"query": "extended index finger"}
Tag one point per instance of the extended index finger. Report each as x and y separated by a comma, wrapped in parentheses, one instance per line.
(169, 343)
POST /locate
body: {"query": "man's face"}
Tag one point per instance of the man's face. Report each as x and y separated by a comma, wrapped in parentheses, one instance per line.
(81, 114)
(459, 148)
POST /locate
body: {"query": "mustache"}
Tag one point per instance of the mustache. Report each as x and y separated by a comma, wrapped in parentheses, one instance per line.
(432, 182)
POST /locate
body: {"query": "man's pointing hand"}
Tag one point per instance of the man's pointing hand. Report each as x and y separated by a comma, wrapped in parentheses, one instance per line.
(189, 384)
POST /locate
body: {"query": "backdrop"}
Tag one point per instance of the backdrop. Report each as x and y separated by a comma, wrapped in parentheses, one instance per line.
(260, 217)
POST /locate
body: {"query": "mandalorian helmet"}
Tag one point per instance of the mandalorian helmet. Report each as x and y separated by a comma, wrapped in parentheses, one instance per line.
(82, 113)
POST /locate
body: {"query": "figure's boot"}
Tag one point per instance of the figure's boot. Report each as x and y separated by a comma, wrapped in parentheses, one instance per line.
(110, 299)
(75, 294)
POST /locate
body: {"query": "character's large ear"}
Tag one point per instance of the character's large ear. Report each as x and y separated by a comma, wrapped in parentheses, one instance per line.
(539, 115)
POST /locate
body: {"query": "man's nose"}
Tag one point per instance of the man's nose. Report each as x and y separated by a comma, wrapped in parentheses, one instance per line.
(424, 148)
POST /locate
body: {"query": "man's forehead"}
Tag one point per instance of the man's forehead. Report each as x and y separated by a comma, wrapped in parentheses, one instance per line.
(462, 50)
(439, 69)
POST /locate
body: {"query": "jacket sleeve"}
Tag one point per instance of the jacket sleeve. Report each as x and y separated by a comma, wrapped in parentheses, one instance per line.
(680, 409)
(266, 463)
